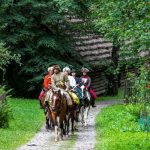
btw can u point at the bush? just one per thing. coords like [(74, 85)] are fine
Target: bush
[(139, 91), (135, 109), (4, 112)]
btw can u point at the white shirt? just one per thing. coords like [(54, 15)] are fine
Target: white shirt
[(72, 81)]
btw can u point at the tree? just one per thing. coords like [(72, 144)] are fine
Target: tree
[(5, 58), (123, 22), (35, 30)]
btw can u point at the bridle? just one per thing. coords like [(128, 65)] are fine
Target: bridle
[(56, 102)]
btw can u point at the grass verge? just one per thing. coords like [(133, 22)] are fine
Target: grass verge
[(27, 120), (119, 96), (118, 129)]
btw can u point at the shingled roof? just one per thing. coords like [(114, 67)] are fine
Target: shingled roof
[(92, 47)]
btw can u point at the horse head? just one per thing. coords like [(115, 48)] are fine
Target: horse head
[(56, 100), (85, 94)]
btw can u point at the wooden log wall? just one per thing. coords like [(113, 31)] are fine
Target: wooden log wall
[(99, 82), (93, 49)]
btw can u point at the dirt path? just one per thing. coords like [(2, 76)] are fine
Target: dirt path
[(86, 136), (84, 139), (44, 140)]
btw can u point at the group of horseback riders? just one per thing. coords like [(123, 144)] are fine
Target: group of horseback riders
[(69, 83)]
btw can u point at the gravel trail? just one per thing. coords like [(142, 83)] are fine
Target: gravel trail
[(84, 138)]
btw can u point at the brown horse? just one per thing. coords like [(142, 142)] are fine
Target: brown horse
[(58, 108), (44, 104)]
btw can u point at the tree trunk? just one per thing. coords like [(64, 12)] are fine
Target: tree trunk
[(115, 59)]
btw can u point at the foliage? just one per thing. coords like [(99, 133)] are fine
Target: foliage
[(126, 24), (138, 86), (135, 109), (123, 21), (27, 120), (5, 111), (38, 31), (6, 56), (116, 128), (1, 90)]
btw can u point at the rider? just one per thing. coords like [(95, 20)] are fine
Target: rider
[(47, 79), (71, 84), (86, 81), (47, 83), (60, 81), (73, 73), (77, 82)]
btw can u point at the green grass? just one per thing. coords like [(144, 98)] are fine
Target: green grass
[(119, 96), (27, 120), (118, 129)]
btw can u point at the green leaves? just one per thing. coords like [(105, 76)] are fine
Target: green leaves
[(6, 57), (122, 21), (37, 30), (139, 87), (47, 42)]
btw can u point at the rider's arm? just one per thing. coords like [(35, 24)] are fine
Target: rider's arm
[(67, 82), (45, 84), (53, 82), (89, 82)]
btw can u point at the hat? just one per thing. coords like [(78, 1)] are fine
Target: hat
[(57, 67), (67, 69), (49, 69), (84, 69)]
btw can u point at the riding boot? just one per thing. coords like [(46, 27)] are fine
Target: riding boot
[(41, 107), (93, 102)]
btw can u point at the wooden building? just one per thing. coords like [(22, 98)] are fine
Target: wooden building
[(94, 49)]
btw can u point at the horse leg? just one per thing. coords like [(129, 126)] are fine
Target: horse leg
[(86, 116), (82, 115), (47, 119), (72, 123), (47, 123), (68, 119), (65, 126), (50, 120), (56, 133), (76, 120), (71, 116), (61, 131)]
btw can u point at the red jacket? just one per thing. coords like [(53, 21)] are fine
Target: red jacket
[(47, 81)]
